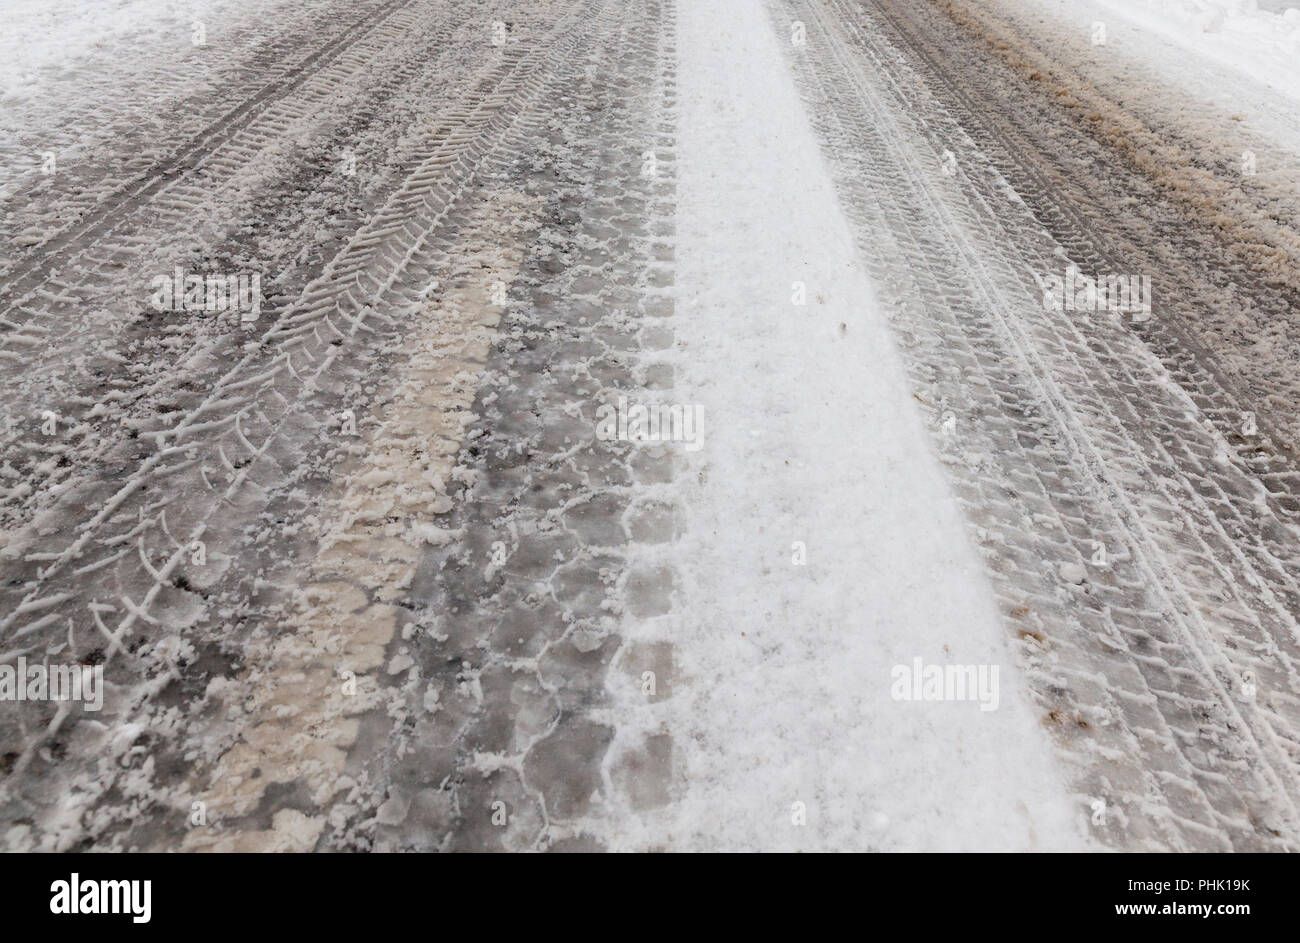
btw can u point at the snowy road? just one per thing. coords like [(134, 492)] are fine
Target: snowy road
[(593, 425)]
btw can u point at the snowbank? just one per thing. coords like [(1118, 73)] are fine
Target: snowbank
[(1261, 43)]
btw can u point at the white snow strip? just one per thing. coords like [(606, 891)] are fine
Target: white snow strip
[(810, 435)]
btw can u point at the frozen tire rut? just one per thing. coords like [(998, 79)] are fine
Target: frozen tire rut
[(1140, 556), (228, 201), (202, 525), (498, 734)]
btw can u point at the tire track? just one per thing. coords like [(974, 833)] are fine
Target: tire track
[(35, 297), (1133, 669), (1243, 553), (533, 626), (91, 377), (55, 250), (226, 456)]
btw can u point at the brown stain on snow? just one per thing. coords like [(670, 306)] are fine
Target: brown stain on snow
[(1257, 240), (302, 699)]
